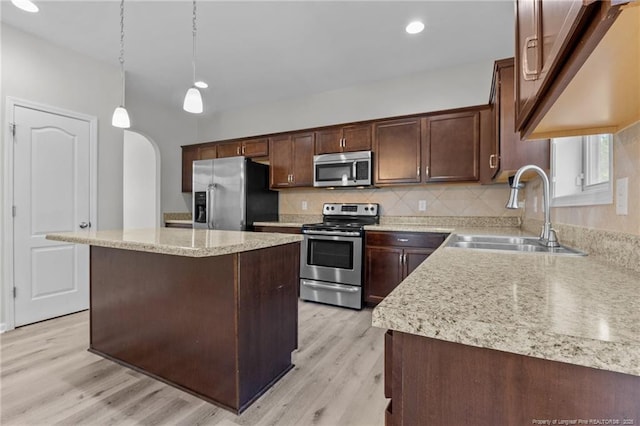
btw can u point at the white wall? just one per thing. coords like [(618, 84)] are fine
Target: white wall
[(455, 87), (140, 183), (36, 70), (169, 128)]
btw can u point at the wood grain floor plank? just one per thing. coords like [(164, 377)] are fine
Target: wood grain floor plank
[(47, 377)]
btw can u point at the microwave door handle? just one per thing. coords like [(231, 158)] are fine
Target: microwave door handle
[(355, 168)]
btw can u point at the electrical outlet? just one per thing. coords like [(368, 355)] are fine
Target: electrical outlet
[(535, 204), (304, 205), (422, 205), (622, 196)]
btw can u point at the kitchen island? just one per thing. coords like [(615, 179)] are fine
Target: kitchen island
[(485, 337), (213, 313)]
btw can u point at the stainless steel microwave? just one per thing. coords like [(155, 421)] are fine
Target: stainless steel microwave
[(342, 169)]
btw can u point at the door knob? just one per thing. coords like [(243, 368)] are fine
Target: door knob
[(85, 225)]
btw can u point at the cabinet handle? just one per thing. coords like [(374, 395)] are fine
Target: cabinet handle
[(403, 240), (400, 258), (426, 171), (493, 161), (243, 150), (238, 151), (418, 171), (404, 259), (529, 42)]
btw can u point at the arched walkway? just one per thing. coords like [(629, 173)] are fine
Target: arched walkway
[(141, 182)]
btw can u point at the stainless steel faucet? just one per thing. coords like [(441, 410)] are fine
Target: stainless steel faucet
[(548, 235)]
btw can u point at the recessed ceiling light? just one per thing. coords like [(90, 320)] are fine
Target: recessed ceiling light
[(26, 5), (415, 27), (201, 84)]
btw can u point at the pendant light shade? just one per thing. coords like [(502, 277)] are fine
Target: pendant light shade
[(26, 5), (193, 101), (120, 118), (120, 115)]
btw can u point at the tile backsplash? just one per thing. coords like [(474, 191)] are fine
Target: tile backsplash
[(441, 200), (626, 163)]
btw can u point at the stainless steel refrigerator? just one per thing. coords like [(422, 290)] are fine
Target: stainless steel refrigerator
[(231, 194)]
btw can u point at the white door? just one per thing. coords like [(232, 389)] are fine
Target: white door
[(51, 194)]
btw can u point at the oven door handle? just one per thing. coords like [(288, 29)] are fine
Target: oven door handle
[(338, 233), (342, 289)]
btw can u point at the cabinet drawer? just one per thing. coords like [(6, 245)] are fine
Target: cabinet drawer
[(278, 229), (405, 239)]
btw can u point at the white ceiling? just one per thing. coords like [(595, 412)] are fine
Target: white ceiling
[(259, 51)]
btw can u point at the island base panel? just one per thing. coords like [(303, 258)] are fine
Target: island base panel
[(179, 319), (434, 382)]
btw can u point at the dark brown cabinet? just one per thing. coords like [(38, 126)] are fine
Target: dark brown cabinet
[(391, 256), (434, 382), (397, 147), (344, 139), (249, 148), (452, 147), (208, 152), (553, 41), (291, 160), (505, 152), (231, 149), (278, 229), (190, 153)]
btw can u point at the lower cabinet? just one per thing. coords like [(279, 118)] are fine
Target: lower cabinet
[(391, 256), (278, 229), (432, 382)]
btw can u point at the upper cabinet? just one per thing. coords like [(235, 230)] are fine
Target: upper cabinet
[(576, 64), (189, 155), (344, 139), (397, 147), (249, 148), (440, 147), (452, 147), (291, 160), (505, 152)]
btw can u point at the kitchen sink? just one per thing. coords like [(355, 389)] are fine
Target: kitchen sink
[(509, 243)]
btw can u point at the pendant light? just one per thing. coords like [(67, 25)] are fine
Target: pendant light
[(120, 115), (26, 5), (193, 98)]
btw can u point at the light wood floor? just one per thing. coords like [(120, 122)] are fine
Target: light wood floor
[(48, 377)]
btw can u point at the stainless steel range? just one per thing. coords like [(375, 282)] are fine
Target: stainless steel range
[(332, 254)]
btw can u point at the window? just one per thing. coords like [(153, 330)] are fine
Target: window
[(581, 170)]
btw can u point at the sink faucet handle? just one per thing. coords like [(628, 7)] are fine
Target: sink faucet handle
[(553, 239)]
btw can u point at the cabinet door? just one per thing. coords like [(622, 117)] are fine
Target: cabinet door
[(397, 147), (280, 158), (189, 155), (452, 147), (302, 164), (383, 272), (329, 141), (413, 258), (528, 57), (515, 153), (231, 149), (357, 138), (255, 148), (208, 152)]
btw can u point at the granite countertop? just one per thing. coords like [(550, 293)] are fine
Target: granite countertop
[(179, 242), (578, 310)]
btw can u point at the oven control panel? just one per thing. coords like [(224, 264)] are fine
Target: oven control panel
[(356, 209)]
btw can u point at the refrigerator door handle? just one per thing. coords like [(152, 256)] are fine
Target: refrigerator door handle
[(211, 191)]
